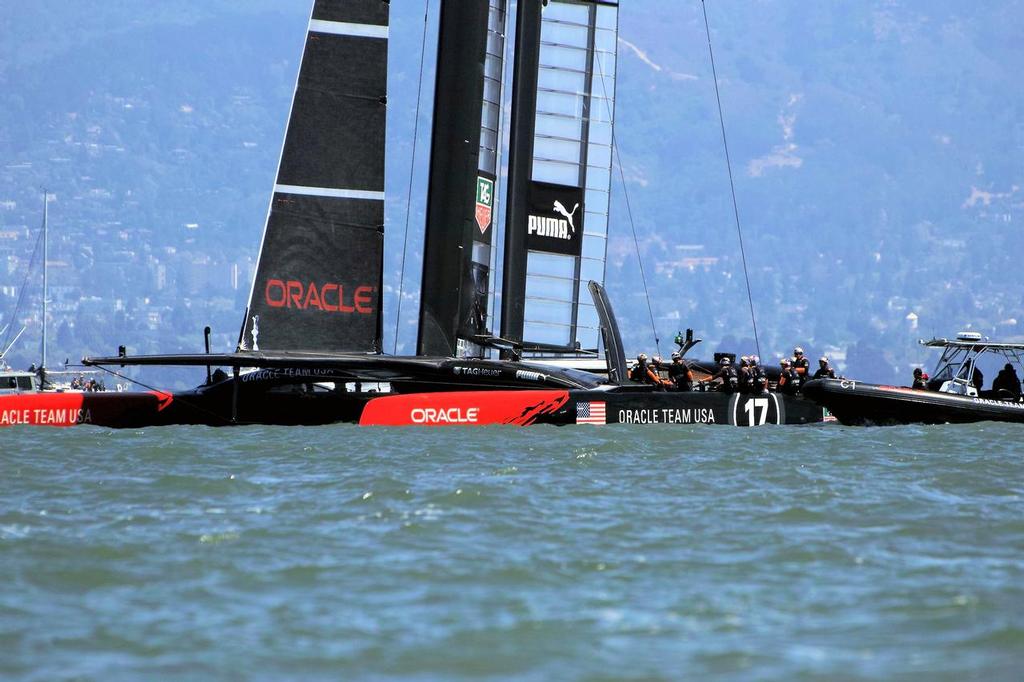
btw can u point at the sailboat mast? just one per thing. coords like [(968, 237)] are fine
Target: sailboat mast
[(45, 268)]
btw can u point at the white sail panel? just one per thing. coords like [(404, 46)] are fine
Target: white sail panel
[(572, 148)]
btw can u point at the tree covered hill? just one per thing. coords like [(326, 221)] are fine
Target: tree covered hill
[(876, 149)]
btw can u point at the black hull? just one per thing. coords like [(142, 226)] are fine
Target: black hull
[(860, 404), (598, 407), (294, 404)]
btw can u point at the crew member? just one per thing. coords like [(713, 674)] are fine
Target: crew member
[(801, 365), (789, 380), (728, 374), (824, 371), (744, 375), (920, 379), (638, 371), (758, 377), (1007, 380), (644, 373), (679, 374)]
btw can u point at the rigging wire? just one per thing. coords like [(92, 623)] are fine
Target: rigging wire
[(412, 170), (629, 209), (732, 184), (24, 286), (177, 398)]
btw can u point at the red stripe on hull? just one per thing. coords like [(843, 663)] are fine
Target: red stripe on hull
[(74, 409), (463, 408)]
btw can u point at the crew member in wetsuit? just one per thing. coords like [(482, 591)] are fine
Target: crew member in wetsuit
[(728, 374), (824, 371), (1007, 380), (679, 374), (920, 379), (801, 365), (789, 380)]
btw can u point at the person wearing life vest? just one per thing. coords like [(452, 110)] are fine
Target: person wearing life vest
[(789, 380), (801, 365), (729, 376), (745, 384), (758, 377), (824, 371), (644, 373), (679, 374), (920, 379)]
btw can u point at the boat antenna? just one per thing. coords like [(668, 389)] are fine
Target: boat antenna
[(629, 208), (412, 170), (732, 185)]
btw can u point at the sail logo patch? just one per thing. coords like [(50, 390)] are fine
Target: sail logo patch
[(328, 297), (554, 223), (484, 203)]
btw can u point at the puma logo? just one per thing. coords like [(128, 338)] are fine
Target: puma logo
[(560, 210)]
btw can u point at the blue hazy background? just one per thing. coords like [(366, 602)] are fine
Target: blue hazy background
[(877, 149)]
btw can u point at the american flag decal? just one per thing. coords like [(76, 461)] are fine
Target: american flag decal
[(591, 413)]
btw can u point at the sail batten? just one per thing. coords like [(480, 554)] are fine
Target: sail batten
[(345, 28), (335, 192)]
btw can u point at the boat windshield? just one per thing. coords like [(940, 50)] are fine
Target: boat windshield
[(978, 363)]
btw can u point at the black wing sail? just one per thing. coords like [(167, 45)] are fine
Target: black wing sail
[(463, 169), (319, 275)]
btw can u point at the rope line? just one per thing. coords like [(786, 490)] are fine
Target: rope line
[(629, 208), (732, 185), (21, 292), (412, 170), (177, 398)]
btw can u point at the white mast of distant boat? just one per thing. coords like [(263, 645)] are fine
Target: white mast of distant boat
[(42, 368)]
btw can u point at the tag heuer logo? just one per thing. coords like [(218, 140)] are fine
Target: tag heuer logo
[(484, 202)]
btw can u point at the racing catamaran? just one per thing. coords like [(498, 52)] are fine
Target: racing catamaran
[(310, 348)]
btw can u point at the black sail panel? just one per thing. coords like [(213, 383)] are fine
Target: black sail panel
[(318, 280)]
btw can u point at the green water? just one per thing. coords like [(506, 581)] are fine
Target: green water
[(575, 553)]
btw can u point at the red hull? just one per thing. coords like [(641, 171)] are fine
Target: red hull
[(74, 409)]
